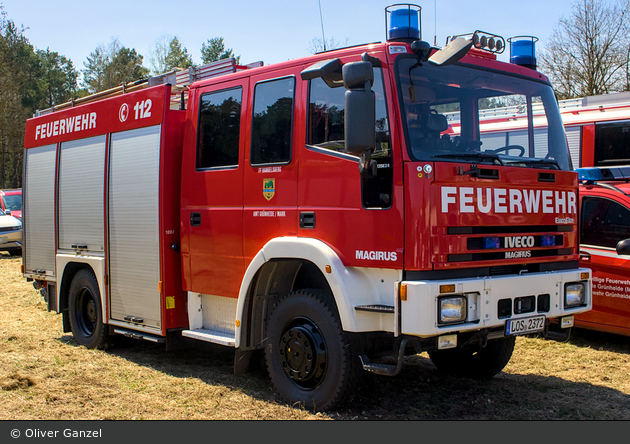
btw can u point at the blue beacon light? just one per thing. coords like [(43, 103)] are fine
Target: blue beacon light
[(404, 22), (523, 51)]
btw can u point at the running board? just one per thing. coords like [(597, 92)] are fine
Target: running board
[(386, 369), (140, 335), (214, 336)]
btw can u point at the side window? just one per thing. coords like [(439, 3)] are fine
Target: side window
[(326, 131), (611, 144), (604, 222), (326, 116), (219, 129), (272, 122)]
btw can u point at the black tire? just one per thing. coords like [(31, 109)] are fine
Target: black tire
[(477, 364), (86, 313), (322, 367)]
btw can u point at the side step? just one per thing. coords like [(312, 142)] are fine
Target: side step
[(140, 335), (386, 369), (214, 336)]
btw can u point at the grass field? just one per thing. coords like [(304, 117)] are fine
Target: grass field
[(45, 375)]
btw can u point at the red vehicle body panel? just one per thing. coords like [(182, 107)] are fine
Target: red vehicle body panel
[(117, 114), (611, 273), (14, 212)]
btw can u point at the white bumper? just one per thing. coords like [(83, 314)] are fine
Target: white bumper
[(419, 312)]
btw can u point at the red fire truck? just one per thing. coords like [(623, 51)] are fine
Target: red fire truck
[(320, 211)]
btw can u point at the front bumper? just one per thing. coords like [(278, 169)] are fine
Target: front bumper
[(491, 301)]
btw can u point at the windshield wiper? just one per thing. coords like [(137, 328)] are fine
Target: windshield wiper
[(536, 162), (471, 156)]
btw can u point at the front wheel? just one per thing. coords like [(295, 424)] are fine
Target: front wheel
[(85, 311), (310, 360), (477, 364)]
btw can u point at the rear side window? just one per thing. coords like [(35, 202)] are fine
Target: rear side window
[(219, 129), (272, 122)]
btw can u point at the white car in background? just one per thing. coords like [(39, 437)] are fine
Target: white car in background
[(10, 234)]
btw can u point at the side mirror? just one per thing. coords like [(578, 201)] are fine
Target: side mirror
[(451, 53), (7, 212), (360, 114), (623, 247), (328, 70)]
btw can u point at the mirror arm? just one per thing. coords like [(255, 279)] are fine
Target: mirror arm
[(367, 165)]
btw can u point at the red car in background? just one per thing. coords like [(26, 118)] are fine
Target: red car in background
[(605, 246), (11, 201)]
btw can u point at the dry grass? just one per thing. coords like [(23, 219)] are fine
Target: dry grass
[(45, 375)]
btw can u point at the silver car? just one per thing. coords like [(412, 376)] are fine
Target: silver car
[(10, 234)]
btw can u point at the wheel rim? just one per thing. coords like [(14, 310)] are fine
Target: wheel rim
[(303, 353), (87, 314)]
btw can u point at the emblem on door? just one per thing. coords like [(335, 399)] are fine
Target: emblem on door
[(269, 188)]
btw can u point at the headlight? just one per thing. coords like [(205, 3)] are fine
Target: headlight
[(574, 295), (452, 309)]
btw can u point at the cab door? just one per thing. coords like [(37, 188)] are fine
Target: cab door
[(605, 220), (212, 190), (270, 201)]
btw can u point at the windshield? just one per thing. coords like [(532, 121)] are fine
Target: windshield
[(12, 201), (472, 115)]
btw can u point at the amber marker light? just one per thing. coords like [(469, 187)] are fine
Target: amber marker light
[(447, 288), (584, 276), (403, 292), (328, 269)]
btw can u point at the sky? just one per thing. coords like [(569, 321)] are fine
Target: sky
[(270, 32)]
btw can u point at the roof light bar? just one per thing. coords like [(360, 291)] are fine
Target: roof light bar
[(483, 40), (591, 174)]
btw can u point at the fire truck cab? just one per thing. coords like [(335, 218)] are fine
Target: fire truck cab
[(324, 211)]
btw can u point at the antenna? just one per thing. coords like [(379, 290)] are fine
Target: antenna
[(321, 19), (435, 23)]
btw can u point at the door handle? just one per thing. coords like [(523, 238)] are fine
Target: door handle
[(584, 256), (195, 219), (307, 220)]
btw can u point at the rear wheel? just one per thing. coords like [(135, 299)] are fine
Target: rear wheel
[(85, 311), (475, 363), (310, 360)]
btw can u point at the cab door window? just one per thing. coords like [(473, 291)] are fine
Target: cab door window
[(219, 128), (604, 222), (272, 122)]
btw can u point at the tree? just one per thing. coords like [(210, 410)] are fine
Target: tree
[(588, 52), (19, 97), (320, 45), (58, 82), (214, 49), (157, 56), (112, 65), (30, 79), (177, 56)]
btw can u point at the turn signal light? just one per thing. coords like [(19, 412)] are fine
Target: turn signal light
[(403, 292), (447, 288)]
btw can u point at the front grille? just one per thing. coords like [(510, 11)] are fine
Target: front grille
[(522, 305), (514, 229), (476, 243)]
